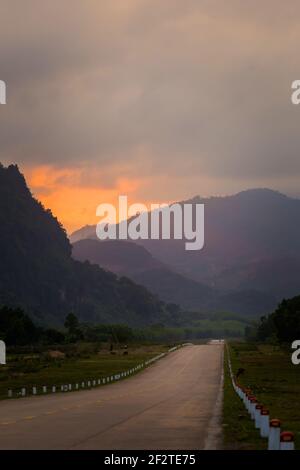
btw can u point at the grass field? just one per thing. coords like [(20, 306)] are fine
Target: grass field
[(83, 362), (276, 383)]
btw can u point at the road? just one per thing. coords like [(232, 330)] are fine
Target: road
[(170, 405)]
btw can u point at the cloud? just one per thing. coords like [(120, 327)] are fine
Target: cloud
[(73, 195), (183, 96)]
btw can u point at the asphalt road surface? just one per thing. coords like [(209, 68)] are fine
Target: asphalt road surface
[(173, 404)]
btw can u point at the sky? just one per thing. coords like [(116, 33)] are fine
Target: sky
[(160, 100)]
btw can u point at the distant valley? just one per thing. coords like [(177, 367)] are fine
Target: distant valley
[(249, 263)]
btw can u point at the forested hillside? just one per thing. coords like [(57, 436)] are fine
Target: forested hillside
[(38, 273)]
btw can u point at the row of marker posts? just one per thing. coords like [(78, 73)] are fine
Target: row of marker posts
[(80, 385), (269, 429), (90, 383)]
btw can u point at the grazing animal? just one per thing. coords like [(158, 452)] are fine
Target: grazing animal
[(240, 371)]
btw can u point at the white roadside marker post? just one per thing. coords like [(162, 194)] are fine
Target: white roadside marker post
[(53, 389), (34, 391), (274, 435), (248, 394), (253, 403), (264, 422), (10, 393), (257, 415), (242, 393), (23, 392), (44, 389), (287, 441)]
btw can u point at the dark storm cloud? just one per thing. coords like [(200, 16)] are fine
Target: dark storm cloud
[(153, 87)]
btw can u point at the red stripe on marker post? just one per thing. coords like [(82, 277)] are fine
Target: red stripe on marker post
[(274, 435), (252, 406), (257, 409), (287, 440), (264, 422)]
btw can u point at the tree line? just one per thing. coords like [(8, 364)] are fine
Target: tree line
[(17, 329), (282, 326)]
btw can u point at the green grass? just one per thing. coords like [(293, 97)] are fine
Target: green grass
[(38, 369), (239, 432), (275, 382)]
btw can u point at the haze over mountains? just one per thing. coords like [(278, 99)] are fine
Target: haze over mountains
[(134, 261), (249, 263)]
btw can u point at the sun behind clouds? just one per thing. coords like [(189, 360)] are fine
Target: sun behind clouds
[(71, 199)]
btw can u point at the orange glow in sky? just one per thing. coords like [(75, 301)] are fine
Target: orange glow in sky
[(72, 201)]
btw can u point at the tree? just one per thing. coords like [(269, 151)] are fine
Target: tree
[(16, 328), (52, 336), (283, 324), (73, 327), (286, 319)]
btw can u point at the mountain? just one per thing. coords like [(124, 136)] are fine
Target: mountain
[(38, 273), (252, 249), (134, 261), (122, 257)]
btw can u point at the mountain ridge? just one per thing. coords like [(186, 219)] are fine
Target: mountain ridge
[(38, 273), (249, 237)]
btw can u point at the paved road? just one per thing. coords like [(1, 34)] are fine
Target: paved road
[(170, 405)]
